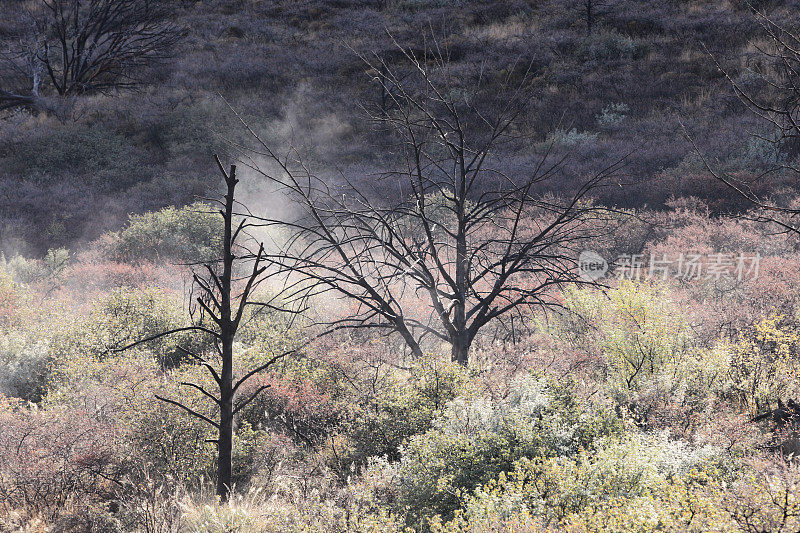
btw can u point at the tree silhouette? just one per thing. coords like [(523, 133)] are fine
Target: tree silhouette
[(223, 298), (75, 47), (460, 245)]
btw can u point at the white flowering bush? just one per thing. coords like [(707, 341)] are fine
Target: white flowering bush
[(572, 138), (476, 439), (638, 469), (24, 362)]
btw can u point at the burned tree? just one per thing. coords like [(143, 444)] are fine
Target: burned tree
[(450, 242), (74, 47), (21, 67), (223, 298), (97, 45)]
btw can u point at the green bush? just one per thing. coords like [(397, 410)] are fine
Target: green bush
[(123, 317), (476, 439), (405, 407), (186, 235), (765, 363), (174, 442), (653, 360), (645, 474), (637, 328), (49, 267), (24, 365)]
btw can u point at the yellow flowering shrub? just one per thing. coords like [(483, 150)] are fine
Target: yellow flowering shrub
[(765, 364), (641, 489), (654, 366)]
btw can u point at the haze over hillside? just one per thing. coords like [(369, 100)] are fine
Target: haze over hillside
[(293, 69)]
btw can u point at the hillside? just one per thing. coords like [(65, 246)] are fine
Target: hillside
[(293, 69)]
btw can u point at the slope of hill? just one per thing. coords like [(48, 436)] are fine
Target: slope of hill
[(628, 86)]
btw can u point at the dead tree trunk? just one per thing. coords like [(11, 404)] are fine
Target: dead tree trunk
[(224, 297), (227, 335), (462, 246)]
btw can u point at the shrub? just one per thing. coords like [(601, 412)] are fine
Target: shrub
[(645, 476), (765, 365), (121, 390), (49, 267), (571, 138), (656, 369), (24, 365), (92, 275), (350, 406), (174, 443), (294, 406), (190, 130), (404, 407), (108, 159), (693, 494), (301, 400), (763, 152), (612, 114), (171, 447), (24, 349), (257, 512), (640, 332), (57, 465), (189, 234), (767, 499), (474, 440), (608, 46), (13, 299), (124, 316)]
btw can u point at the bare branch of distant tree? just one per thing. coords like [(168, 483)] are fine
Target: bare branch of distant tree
[(771, 90), (75, 47)]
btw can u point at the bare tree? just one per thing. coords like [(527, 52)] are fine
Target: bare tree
[(449, 242), (223, 300), (772, 92), (21, 67), (590, 11), (85, 46)]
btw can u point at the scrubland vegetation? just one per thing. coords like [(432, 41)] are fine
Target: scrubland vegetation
[(381, 385), (560, 428)]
